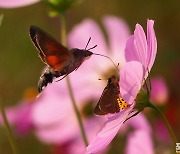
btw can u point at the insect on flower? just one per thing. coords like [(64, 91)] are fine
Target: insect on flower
[(111, 100), (60, 61)]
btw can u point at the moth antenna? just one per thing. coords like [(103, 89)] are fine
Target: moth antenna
[(88, 43), (92, 47)]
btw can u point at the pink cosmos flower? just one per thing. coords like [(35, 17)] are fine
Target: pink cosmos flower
[(139, 140), (159, 91), (161, 132), (141, 48), (140, 55), (19, 117), (16, 3), (129, 89), (55, 121)]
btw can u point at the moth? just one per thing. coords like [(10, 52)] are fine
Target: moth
[(60, 60), (110, 100)]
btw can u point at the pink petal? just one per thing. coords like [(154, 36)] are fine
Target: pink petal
[(16, 3), (60, 132), (80, 34), (23, 119), (10, 114), (118, 33), (141, 44), (130, 50), (131, 78), (140, 49), (161, 132), (19, 116), (52, 105), (53, 114), (91, 128), (108, 132), (139, 142), (141, 124), (136, 47), (159, 91), (152, 44)]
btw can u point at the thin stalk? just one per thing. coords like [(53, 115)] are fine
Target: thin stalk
[(173, 137), (8, 130), (63, 41)]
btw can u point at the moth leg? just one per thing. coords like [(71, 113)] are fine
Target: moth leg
[(137, 112), (62, 77), (76, 68)]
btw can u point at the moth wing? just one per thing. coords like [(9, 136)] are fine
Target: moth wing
[(50, 50), (107, 102)]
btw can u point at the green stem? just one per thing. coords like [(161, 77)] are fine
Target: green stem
[(63, 40), (8, 129), (174, 139)]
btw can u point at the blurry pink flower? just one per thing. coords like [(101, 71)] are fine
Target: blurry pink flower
[(16, 3), (139, 140), (19, 117), (52, 113), (141, 124), (161, 132), (55, 121), (159, 91)]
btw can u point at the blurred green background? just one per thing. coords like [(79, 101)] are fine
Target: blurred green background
[(21, 66)]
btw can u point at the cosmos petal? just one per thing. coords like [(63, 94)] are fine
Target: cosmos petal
[(118, 33), (141, 44), (16, 3), (52, 114), (80, 34), (152, 44), (139, 141), (59, 132), (159, 91), (138, 48), (19, 117), (130, 50), (131, 78), (107, 133), (11, 116), (51, 102), (142, 122)]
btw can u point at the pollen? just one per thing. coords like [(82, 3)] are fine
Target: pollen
[(122, 104)]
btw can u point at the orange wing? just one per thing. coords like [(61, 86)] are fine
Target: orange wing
[(50, 51)]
